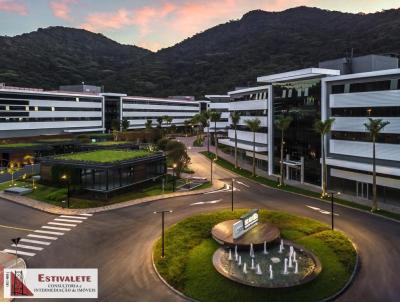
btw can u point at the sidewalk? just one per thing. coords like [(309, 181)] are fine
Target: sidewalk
[(8, 261)]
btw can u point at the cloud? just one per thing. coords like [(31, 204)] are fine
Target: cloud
[(62, 9), (175, 20), (11, 6)]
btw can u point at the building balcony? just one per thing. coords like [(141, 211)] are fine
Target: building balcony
[(248, 105), (384, 98), (261, 138), (243, 146), (356, 124)]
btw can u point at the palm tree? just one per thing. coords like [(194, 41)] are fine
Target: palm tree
[(254, 126), (323, 128), (215, 117), (235, 118), (125, 124), (374, 126), (12, 168), (159, 121), (168, 120), (205, 118), (282, 123), (149, 124), (186, 124), (196, 121), (115, 127)]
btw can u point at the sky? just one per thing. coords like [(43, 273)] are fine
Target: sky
[(152, 24)]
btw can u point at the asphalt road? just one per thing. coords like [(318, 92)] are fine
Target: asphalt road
[(119, 242)]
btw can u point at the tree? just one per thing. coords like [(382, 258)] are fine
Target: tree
[(282, 123), (254, 126), (177, 154), (374, 127), (186, 124), (323, 128), (149, 124), (205, 118), (159, 121), (125, 124), (12, 168), (168, 120), (215, 117), (30, 160), (235, 118), (196, 120), (115, 127)]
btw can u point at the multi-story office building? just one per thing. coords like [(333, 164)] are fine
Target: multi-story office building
[(140, 109), (251, 103), (349, 90), (351, 100), (219, 103), (30, 112)]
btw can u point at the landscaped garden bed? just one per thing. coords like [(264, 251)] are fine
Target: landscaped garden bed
[(189, 248)]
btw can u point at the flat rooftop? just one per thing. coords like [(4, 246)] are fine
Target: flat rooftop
[(298, 74), (104, 156)]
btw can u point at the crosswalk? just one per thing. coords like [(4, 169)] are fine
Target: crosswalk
[(41, 238)]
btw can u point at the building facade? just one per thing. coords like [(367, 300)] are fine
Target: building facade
[(220, 104), (31, 112)]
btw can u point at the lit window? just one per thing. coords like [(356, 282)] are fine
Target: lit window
[(53, 109), (36, 108), (7, 108), (77, 99), (306, 91), (26, 108)]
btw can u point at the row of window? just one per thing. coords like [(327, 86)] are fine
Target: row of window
[(253, 113), (47, 119), (387, 138), (24, 97), (262, 95), (158, 110), (366, 86), (166, 103), (366, 112), (155, 117), (45, 108), (245, 128)]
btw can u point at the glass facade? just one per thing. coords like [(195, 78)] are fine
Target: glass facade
[(302, 101)]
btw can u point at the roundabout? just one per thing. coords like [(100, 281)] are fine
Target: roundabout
[(311, 263)]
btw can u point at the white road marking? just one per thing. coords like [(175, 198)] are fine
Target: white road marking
[(55, 228), (86, 215), (28, 247), (48, 232), (314, 208), (19, 252), (42, 237), (243, 184), (62, 224), (35, 241), (321, 211), (67, 220), (73, 217), (206, 202)]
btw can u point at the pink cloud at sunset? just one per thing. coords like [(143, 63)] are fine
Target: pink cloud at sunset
[(61, 8), (11, 6)]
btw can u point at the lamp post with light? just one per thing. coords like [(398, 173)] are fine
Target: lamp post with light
[(332, 193), (232, 194), (65, 178), (162, 229), (211, 169), (173, 176)]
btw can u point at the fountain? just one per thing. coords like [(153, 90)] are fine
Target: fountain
[(285, 271), (246, 242), (252, 264), (259, 272), (265, 248)]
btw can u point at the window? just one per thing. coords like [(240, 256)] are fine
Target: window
[(370, 86), (366, 112), (336, 89)]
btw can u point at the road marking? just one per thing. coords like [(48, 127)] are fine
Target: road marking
[(62, 224), (206, 202), (55, 228), (15, 228), (19, 252), (48, 232), (86, 215), (28, 247), (67, 220), (73, 217), (35, 241), (321, 211), (243, 184), (42, 237)]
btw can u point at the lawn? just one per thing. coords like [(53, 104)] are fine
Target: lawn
[(189, 249), (274, 184), (105, 156), (19, 145), (110, 143)]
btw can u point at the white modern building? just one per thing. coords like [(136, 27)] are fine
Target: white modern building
[(219, 103), (137, 110), (251, 103), (30, 112)]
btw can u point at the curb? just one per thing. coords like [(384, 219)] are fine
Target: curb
[(182, 295), (351, 279), (311, 197), (44, 207)]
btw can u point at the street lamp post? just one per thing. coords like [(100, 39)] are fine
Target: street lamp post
[(333, 193), (232, 194), (65, 178), (162, 229), (173, 177), (16, 241)]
